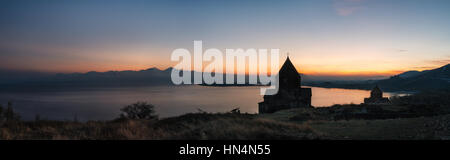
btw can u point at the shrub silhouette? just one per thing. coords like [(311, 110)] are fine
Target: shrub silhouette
[(139, 110), (8, 114), (1, 113)]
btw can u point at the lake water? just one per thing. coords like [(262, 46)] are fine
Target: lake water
[(105, 104)]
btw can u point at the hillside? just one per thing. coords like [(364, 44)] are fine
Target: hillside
[(190, 126), (427, 80), (435, 79), (285, 124)]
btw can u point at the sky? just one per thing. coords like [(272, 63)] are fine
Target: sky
[(323, 37)]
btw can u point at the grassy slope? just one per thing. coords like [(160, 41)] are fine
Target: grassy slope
[(391, 129), (189, 126), (437, 127), (280, 125)]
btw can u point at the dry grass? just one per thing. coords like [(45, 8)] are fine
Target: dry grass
[(202, 126), (418, 128), (189, 126), (389, 129)]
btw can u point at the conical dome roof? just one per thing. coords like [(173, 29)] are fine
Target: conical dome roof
[(288, 66), (376, 89), (289, 77), (376, 92)]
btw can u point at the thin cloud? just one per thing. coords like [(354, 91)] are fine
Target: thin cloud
[(347, 11), (432, 64), (402, 50), (440, 62), (347, 7), (424, 67)]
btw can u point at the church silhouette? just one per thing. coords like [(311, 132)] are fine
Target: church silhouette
[(290, 93)]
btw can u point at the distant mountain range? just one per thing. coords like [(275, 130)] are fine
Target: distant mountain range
[(434, 79), (411, 80), (408, 74), (33, 80), (438, 78)]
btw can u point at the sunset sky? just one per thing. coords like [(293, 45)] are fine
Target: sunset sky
[(323, 37)]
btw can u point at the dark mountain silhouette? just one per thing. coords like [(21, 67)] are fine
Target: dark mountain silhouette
[(438, 78), (152, 76), (408, 81), (434, 79), (409, 74), (11, 77), (35, 80)]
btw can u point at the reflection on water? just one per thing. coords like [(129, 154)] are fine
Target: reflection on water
[(103, 104), (324, 97)]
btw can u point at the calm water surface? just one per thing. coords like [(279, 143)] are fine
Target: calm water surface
[(104, 104)]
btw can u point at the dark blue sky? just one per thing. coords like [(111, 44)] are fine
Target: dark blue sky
[(355, 36)]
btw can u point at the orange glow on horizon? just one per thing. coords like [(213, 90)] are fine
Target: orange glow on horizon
[(335, 72), (303, 70), (352, 73), (121, 58)]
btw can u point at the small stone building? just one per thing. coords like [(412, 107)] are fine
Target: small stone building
[(290, 94), (376, 97)]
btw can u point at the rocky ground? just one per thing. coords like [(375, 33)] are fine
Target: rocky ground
[(358, 128)]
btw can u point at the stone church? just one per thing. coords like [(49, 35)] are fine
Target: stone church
[(376, 97), (290, 94)]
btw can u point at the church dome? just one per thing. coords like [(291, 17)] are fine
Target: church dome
[(376, 92), (288, 75)]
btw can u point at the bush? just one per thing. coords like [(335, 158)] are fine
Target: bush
[(1, 113), (139, 110), (8, 114)]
